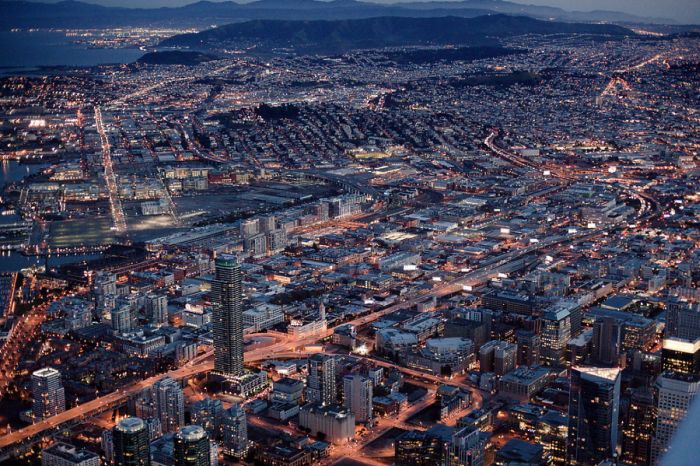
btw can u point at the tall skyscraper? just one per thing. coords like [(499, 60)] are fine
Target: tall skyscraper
[(357, 397), (556, 332), (235, 432), (48, 395), (320, 384), (594, 400), (130, 443), (638, 429), (681, 355), (191, 447), (607, 332), (170, 400), (675, 392), (227, 295)]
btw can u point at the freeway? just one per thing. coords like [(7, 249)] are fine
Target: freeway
[(197, 365), (517, 160), (649, 207), (203, 363)]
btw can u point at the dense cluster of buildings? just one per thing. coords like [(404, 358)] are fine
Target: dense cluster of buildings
[(406, 265)]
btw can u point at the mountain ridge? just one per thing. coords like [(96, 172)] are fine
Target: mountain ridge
[(341, 35), (73, 13)]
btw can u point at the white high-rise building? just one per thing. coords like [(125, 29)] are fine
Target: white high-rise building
[(357, 392), (235, 432), (320, 384), (335, 422), (48, 395), (675, 393), (250, 227), (170, 400)]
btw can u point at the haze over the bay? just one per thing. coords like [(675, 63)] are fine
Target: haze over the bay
[(682, 11)]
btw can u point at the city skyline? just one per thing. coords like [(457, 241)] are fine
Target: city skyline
[(348, 234)]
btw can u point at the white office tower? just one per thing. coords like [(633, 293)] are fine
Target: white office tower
[(556, 333), (467, 447), (675, 393), (235, 432), (357, 392), (157, 308), (227, 295), (63, 454), (170, 400), (320, 383), (48, 395)]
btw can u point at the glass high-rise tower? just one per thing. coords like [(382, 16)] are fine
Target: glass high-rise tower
[(594, 403), (131, 443), (227, 295), (191, 447)]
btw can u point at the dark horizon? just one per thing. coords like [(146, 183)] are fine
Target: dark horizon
[(681, 11)]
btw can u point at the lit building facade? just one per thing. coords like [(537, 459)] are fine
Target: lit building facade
[(594, 400), (48, 395), (227, 295)]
